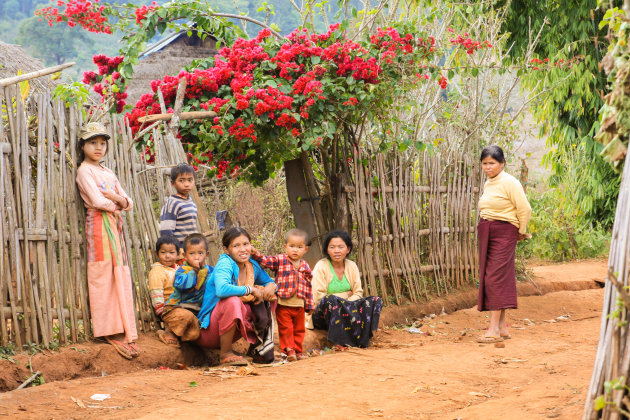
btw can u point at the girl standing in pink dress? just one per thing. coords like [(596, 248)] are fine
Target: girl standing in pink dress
[(109, 278)]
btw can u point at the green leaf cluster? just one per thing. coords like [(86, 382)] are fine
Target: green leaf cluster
[(569, 97)]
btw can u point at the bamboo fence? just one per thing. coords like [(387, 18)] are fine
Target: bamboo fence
[(43, 287), (416, 223), (611, 371), (415, 219)]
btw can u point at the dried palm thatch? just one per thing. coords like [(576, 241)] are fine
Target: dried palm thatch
[(167, 57), (14, 60)]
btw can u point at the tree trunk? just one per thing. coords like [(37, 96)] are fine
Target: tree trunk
[(302, 208)]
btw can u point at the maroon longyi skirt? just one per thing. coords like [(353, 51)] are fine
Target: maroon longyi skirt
[(497, 276)]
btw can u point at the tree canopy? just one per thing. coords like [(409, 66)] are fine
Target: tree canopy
[(56, 44), (568, 99)]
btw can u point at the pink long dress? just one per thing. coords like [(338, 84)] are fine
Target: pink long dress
[(109, 278)]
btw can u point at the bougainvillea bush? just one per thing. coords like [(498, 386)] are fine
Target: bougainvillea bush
[(276, 97)]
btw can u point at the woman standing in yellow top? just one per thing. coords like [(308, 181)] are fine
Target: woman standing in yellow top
[(504, 212)]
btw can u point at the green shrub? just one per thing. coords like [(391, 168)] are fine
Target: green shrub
[(557, 234)]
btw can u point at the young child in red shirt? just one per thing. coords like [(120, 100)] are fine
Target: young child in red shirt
[(295, 295)]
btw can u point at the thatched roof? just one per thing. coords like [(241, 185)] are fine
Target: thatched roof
[(13, 59), (168, 56)]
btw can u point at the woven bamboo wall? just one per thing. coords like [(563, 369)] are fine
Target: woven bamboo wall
[(416, 223)]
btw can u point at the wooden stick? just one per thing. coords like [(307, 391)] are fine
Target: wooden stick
[(189, 115), (39, 73), (29, 380)]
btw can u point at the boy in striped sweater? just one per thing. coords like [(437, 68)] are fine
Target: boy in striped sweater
[(179, 214)]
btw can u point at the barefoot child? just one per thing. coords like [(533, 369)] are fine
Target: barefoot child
[(161, 279), (295, 296), (181, 308), (179, 213), (109, 278)]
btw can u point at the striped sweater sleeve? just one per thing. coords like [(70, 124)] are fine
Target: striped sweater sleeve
[(168, 217), (156, 290)]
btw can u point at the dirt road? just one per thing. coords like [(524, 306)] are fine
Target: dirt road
[(542, 372)]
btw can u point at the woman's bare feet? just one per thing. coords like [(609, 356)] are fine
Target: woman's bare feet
[(231, 359), (167, 337)]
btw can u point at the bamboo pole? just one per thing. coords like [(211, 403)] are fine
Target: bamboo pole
[(60, 267), (4, 277), (30, 316), (41, 287), (35, 74), (76, 217), (13, 260), (189, 115)]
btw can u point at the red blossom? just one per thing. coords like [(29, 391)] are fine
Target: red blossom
[(142, 12), (87, 14), (443, 82)]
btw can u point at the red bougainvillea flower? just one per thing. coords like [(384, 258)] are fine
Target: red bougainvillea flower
[(142, 12), (87, 14), (443, 82), (108, 82)]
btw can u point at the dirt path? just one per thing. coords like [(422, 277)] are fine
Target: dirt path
[(542, 372)]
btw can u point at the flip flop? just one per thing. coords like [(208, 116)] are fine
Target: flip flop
[(489, 340), (133, 349), (506, 337), (168, 340), (121, 348), (234, 360)]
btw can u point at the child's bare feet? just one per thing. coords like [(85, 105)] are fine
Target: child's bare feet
[(302, 356), (167, 337)]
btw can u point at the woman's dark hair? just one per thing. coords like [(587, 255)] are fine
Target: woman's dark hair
[(494, 151), (167, 240), (233, 233), (342, 234)]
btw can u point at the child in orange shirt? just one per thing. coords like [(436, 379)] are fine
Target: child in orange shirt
[(161, 279)]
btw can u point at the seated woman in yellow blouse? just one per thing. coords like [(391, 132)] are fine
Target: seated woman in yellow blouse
[(340, 306)]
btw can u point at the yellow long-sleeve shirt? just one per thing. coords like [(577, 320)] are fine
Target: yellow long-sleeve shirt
[(504, 199)]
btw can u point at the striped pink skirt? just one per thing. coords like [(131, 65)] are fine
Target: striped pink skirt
[(108, 276)]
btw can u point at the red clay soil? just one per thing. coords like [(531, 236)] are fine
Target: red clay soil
[(542, 372)]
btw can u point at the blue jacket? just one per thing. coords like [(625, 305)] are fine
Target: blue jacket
[(223, 283), (187, 287)]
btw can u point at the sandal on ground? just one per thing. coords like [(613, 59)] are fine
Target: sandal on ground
[(506, 337), (167, 339), (291, 356), (120, 347), (233, 360), (489, 339), (133, 349), (302, 356)]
